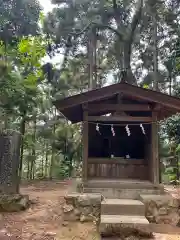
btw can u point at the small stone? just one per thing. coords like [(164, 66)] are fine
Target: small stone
[(95, 199), (171, 219), (24, 203), (174, 203), (49, 234), (151, 205), (167, 221), (83, 200), (79, 186), (151, 219), (96, 211), (65, 224), (71, 198), (86, 210), (68, 208), (155, 212), (163, 211), (89, 199), (77, 212), (70, 216), (3, 230), (84, 218)]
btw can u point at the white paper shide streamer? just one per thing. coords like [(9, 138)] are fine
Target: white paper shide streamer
[(142, 128), (97, 128), (128, 130), (112, 130)]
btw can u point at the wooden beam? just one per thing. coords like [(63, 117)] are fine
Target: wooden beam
[(93, 108), (157, 107), (152, 96), (85, 144), (119, 119), (119, 112), (116, 160)]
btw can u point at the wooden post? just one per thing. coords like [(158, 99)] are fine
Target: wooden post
[(85, 144), (154, 149)]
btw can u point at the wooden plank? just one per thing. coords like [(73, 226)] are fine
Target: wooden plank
[(117, 171), (154, 149), (119, 112), (93, 108), (85, 144), (116, 160), (119, 119)]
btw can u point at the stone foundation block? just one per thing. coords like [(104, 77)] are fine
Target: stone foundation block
[(161, 209), (125, 230), (13, 203), (82, 207)]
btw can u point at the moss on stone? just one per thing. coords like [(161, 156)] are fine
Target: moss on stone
[(13, 203)]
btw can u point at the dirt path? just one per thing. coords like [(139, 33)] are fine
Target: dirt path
[(43, 220)]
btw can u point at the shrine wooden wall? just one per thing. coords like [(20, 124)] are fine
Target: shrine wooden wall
[(117, 168)]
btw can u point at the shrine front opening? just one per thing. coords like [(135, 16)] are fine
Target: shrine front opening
[(119, 151)]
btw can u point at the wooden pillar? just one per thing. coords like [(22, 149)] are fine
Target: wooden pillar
[(154, 149), (85, 144)]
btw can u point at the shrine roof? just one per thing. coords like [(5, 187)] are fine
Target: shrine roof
[(72, 107)]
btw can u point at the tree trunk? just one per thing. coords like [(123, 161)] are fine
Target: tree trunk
[(46, 161), (28, 170), (6, 121), (155, 52), (22, 131), (177, 168), (170, 83), (33, 160), (91, 48), (127, 63), (70, 164), (52, 164), (53, 150), (42, 167), (128, 40)]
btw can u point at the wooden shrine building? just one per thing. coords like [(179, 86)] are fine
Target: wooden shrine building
[(120, 132)]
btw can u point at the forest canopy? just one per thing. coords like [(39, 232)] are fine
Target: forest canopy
[(79, 45)]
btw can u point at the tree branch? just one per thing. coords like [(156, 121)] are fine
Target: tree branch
[(135, 21), (116, 13), (101, 26), (97, 25)]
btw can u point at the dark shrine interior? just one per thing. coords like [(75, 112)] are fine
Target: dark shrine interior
[(103, 144)]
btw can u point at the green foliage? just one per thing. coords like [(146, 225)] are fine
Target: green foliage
[(52, 146), (172, 128), (18, 18)]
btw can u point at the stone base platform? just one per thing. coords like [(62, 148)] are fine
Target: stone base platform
[(121, 199), (85, 207)]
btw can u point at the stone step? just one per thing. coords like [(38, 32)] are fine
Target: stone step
[(122, 193), (111, 225), (122, 207)]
